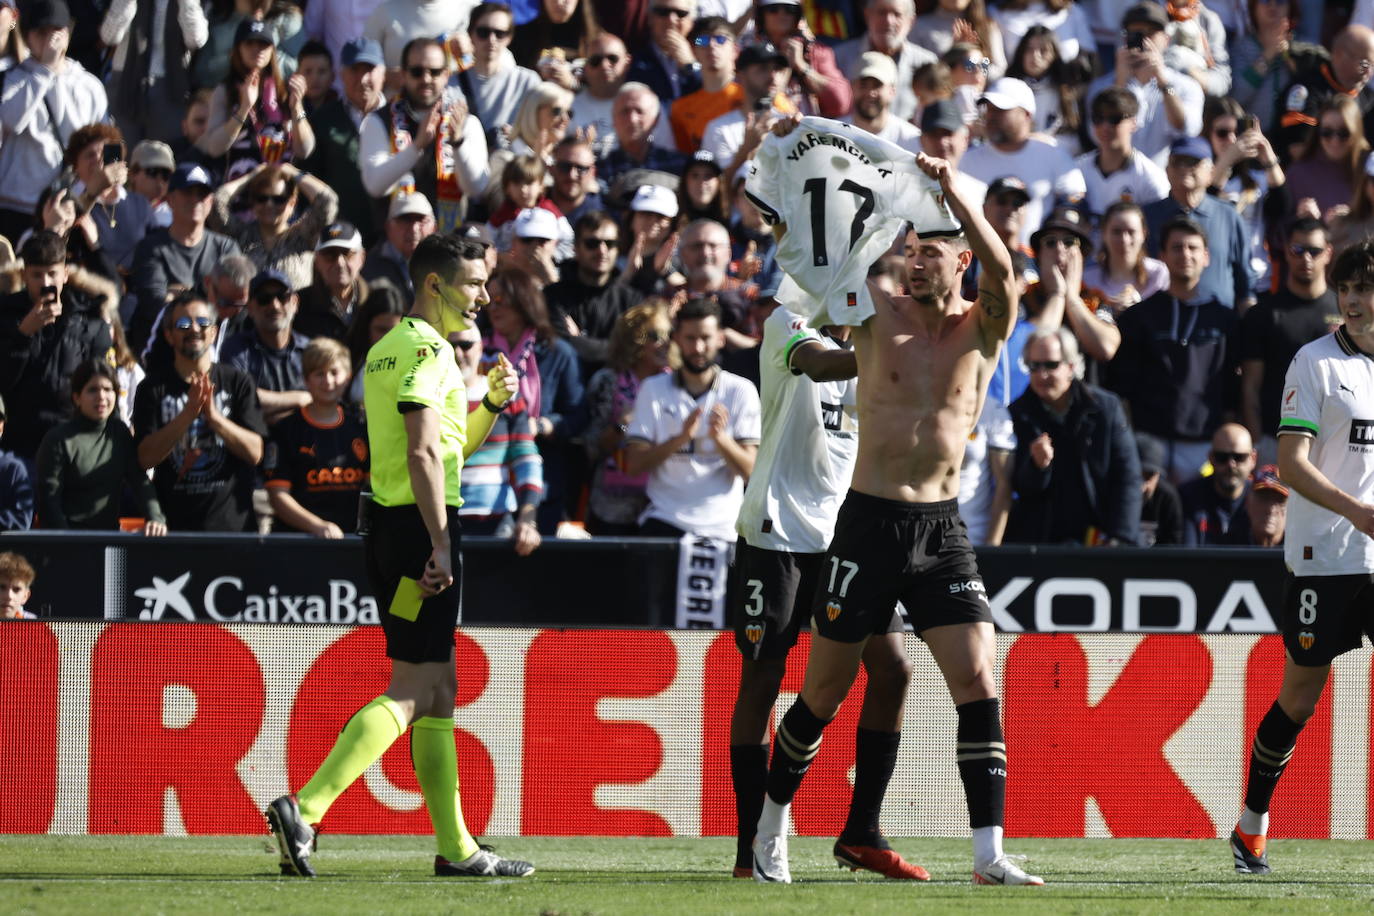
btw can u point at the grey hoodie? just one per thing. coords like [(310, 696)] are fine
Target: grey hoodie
[(39, 112)]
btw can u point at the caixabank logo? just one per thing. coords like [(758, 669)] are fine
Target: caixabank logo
[(227, 598)]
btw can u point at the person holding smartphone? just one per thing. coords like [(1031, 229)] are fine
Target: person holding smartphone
[(97, 157), (47, 330), (1170, 102)]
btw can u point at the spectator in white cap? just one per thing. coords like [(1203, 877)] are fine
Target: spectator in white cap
[(889, 23), (875, 88), (327, 305), (409, 220), (47, 96), (150, 170), (534, 247), (1008, 109), (648, 258)]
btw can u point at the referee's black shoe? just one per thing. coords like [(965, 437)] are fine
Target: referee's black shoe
[(484, 863), (294, 836)]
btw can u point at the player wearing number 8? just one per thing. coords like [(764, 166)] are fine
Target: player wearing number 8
[(925, 360), (804, 463), (1326, 456)]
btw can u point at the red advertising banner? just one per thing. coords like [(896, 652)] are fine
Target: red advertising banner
[(190, 728)]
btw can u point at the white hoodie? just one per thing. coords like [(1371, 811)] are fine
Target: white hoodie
[(31, 144)]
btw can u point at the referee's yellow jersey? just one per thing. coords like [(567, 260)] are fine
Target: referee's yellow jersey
[(412, 364)]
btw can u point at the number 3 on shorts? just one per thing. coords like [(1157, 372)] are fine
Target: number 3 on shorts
[(850, 568), (1307, 605), (753, 606)]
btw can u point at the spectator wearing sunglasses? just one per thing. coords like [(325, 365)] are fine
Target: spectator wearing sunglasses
[(1076, 472), (425, 140), (1116, 170), (1170, 101), (1214, 512), (270, 354), (586, 302), (1279, 325), (713, 46), (574, 187), (394, 24), (667, 66), (1331, 160), (608, 63), (271, 240), (199, 428), (889, 22), (150, 171), (494, 85), (817, 86)]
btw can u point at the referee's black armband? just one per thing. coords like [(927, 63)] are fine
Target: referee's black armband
[(486, 402)]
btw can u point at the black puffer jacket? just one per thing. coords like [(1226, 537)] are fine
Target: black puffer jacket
[(35, 372)]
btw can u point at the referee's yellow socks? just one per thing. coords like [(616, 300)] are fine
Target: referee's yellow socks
[(372, 730), (436, 766)]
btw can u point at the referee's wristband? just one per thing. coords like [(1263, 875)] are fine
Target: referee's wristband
[(494, 408)]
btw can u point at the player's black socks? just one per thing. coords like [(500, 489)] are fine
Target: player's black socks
[(797, 742), (982, 757), (749, 774), (1269, 755), (875, 757)]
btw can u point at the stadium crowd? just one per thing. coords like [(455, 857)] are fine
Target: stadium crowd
[(207, 212)]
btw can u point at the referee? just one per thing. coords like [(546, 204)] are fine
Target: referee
[(419, 433), (1326, 455)]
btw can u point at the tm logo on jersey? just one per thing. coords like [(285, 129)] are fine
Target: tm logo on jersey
[(1362, 434), (832, 609)]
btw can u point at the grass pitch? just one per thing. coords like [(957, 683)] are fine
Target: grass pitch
[(117, 875)]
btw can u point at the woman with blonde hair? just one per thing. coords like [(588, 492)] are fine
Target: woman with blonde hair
[(1333, 157), (540, 123), (639, 347)]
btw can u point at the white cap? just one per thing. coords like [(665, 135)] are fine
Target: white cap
[(877, 65), (536, 223), (410, 205), (1008, 93), (654, 198)]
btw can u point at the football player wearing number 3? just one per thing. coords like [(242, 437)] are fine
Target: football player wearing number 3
[(925, 360), (805, 460), (1326, 455)]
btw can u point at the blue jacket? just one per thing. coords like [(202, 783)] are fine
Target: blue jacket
[(16, 494), (1092, 481), (1228, 276)]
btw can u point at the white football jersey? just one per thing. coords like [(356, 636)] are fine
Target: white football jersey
[(844, 195), (1329, 395), (810, 439)]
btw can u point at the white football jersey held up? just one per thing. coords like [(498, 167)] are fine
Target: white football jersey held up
[(810, 440), (1329, 396), (844, 195)]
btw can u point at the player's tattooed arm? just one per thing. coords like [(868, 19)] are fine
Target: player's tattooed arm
[(997, 291)]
